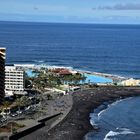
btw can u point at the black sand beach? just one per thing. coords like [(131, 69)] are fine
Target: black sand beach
[(76, 124)]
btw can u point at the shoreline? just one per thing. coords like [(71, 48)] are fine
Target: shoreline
[(39, 66), (103, 107), (77, 123)]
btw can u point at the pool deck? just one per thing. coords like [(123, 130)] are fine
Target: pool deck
[(90, 78), (104, 75)]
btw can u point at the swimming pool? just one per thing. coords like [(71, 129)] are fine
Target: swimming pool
[(89, 77), (96, 79), (30, 73)]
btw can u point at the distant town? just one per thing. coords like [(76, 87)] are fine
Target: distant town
[(29, 93)]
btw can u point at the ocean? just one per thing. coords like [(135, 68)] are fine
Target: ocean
[(113, 49), (119, 121)]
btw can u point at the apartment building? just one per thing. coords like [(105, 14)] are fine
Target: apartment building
[(14, 79)]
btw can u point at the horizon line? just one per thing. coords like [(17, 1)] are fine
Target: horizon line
[(51, 22)]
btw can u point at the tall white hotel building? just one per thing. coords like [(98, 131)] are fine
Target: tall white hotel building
[(14, 79)]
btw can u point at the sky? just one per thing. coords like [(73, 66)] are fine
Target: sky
[(71, 11)]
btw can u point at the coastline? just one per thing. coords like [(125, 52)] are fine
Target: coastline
[(77, 123), (39, 66), (102, 108)]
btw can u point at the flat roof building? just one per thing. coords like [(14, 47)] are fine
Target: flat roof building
[(130, 82), (2, 73), (14, 79)]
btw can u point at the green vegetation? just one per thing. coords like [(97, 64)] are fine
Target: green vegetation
[(50, 79), (73, 79), (23, 101), (11, 127), (6, 104)]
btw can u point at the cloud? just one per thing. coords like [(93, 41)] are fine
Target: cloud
[(128, 6)]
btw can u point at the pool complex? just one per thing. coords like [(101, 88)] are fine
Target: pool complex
[(89, 78), (30, 73), (96, 79)]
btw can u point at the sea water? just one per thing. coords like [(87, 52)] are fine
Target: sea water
[(118, 121), (113, 49)]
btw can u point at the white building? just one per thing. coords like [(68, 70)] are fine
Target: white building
[(130, 82), (14, 79)]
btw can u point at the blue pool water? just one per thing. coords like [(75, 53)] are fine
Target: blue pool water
[(30, 73), (97, 79), (89, 77)]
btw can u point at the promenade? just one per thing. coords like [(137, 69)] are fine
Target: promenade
[(46, 108)]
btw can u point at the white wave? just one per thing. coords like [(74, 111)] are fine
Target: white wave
[(100, 113), (112, 104), (95, 117), (119, 131), (118, 101), (94, 121), (39, 61)]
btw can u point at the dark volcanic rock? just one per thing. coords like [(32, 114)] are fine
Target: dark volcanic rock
[(77, 124)]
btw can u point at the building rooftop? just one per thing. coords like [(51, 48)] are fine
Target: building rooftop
[(65, 72)]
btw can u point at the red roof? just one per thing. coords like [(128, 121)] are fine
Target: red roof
[(65, 72), (57, 70)]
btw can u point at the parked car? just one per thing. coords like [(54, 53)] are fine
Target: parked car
[(19, 112), (13, 114), (27, 108)]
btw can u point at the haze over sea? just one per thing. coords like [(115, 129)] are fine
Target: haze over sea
[(113, 49)]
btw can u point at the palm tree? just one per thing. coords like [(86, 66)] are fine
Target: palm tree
[(5, 106), (25, 101), (18, 103), (83, 78)]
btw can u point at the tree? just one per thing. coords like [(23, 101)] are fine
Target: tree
[(25, 101), (5, 106), (28, 83), (49, 96), (18, 103), (83, 79)]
